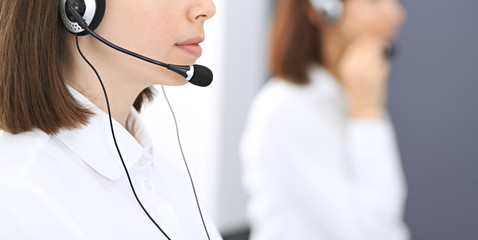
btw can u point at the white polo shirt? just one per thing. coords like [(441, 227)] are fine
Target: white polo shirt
[(73, 186)]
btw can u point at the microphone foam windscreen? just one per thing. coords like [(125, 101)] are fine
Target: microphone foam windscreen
[(202, 76)]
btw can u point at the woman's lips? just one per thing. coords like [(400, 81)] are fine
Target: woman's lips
[(193, 49), (191, 46)]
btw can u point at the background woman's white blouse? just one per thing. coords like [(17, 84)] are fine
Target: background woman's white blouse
[(313, 173), (72, 185)]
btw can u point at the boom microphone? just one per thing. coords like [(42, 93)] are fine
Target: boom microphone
[(197, 74), (390, 51), (201, 75)]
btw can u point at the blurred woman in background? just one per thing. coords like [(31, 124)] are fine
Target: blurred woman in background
[(319, 152)]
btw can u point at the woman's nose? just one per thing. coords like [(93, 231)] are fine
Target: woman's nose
[(202, 10)]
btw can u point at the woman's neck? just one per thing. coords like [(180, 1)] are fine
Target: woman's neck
[(331, 48), (121, 89)]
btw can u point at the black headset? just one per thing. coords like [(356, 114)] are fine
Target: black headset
[(82, 17), (333, 10), (92, 12)]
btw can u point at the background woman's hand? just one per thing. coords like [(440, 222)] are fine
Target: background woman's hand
[(363, 71)]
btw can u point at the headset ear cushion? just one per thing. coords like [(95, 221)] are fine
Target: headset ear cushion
[(331, 9), (99, 14)]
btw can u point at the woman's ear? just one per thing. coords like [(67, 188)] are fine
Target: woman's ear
[(315, 17)]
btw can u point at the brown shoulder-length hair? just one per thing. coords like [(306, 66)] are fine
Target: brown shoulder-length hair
[(294, 41), (32, 51)]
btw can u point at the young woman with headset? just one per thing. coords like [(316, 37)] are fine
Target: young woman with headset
[(320, 160), (75, 160)]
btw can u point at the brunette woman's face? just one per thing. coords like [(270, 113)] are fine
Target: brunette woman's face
[(377, 18), (166, 30)]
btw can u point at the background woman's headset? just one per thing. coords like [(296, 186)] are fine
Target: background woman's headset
[(333, 10)]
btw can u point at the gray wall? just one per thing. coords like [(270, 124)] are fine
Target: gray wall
[(434, 96)]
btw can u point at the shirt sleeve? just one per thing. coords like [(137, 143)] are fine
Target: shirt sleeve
[(375, 162), (376, 174), (343, 176)]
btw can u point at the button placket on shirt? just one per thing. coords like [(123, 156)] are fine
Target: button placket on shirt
[(148, 185), (145, 160)]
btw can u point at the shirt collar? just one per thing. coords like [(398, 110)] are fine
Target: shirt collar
[(323, 82), (93, 142), (317, 72)]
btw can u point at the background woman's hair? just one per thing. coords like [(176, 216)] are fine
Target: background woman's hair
[(294, 42), (32, 52)]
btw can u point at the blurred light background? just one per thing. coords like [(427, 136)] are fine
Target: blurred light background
[(433, 98)]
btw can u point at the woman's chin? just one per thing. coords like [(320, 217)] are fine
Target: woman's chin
[(171, 79), (176, 83), (167, 77)]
